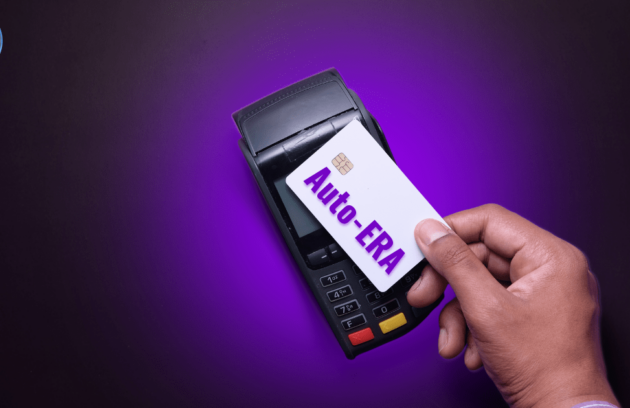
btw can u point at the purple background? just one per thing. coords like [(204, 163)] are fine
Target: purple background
[(139, 264)]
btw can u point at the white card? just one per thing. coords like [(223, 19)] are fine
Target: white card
[(356, 191)]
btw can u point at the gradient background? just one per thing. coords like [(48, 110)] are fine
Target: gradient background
[(139, 265)]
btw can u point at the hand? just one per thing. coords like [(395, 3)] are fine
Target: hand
[(527, 306)]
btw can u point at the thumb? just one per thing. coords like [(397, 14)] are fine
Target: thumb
[(449, 255)]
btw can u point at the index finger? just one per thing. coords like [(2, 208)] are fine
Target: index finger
[(505, 233)]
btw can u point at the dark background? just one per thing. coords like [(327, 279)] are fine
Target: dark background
[(138, 264)]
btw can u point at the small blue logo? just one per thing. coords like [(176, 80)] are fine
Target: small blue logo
[(0, 40)]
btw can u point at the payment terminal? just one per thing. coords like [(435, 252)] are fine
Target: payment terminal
[(279, 132)]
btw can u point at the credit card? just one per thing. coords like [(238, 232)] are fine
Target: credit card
[(357, 192)]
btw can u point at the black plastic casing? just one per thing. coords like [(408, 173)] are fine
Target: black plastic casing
[(279, 132)]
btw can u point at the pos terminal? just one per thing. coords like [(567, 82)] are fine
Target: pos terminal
[(279, 133)]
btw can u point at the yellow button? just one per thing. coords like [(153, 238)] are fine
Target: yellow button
[(393, 323)]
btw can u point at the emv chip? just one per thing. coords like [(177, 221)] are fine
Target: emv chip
[(342, 163)]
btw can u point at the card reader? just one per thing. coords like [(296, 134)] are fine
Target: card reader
[(279, 132)]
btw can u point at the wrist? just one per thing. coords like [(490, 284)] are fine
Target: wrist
[(567, 388), (582, 401), (595, 403)]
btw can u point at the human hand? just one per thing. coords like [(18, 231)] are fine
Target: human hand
[(527, 306)]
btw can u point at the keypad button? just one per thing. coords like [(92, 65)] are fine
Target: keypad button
[(361, 336), (357, 271), (386, 308), (409, 279), (337, 294), (376, 296), (333, 278), (354, 321), (393, 323), (419, 312), (318, 257), (366, 284), (335, 251), (346, 308)]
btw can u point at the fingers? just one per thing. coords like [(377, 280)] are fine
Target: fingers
[(454, 335), (507, 234), (593, 288), (501, 230), (498, 266), (453, 259), (431, 285), (452, 330), (427, 289), (472, 359)]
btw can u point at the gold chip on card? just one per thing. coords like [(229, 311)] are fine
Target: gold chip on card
[(342, 163)]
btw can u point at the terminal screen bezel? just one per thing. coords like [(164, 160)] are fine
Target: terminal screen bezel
[(282, 167)]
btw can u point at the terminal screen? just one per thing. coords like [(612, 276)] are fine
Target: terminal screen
[(303, 220)]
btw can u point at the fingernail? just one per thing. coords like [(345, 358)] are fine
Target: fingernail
[(416, 285), (468, 353), (442, 340), (429, 230)]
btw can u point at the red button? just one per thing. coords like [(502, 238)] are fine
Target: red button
[(361, 336)]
